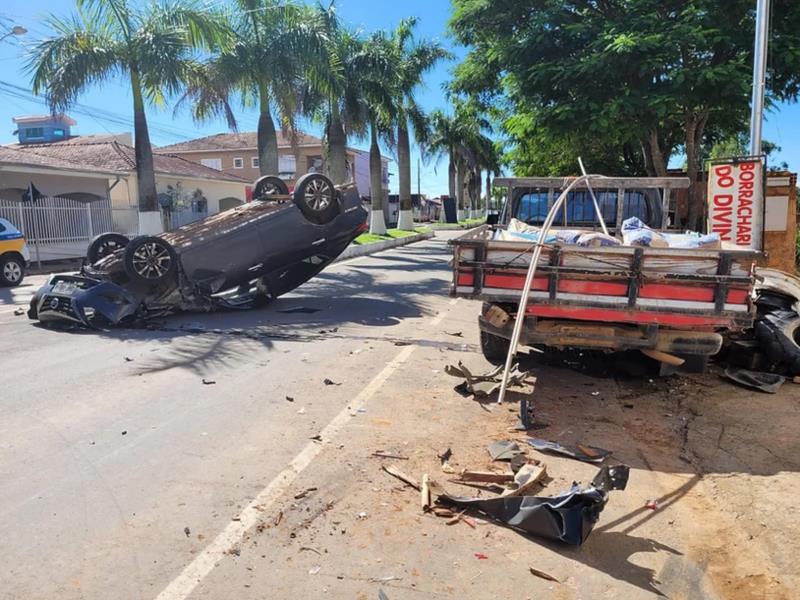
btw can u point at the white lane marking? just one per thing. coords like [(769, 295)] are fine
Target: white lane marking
[(204, 563)]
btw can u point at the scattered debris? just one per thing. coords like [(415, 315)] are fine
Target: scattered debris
[(314, 570), (455, 333), (580, 452), (425, 493), (128, 359), (402, 343), (278, 519), (768, 383), (543, 575), (497, 316), (382, 454), (568, 517), (486, 476), (310, 549), (327, 381), (527, 478), (394, 472), (651, 504), (481, 556), (444, 457), (289, 399), (187, 531), (324, 331), (504, 450), (304, 493), (302, 411), (595, 393), (209, 382), (455, 518), (481, 386), (361, 516), (441, 511), (386, 579), (382, 595), (316, 438), (124, 432), (302, 310), (20, 311)]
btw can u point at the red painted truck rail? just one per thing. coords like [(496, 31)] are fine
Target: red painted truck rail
[(690, 289)]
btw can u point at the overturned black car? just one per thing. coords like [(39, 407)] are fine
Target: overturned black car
[(237, 259)]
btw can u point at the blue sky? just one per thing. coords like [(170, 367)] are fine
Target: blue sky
[(782, 125)]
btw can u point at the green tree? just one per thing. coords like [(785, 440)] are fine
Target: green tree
[(413, 59), (654, 76), (154, 46), (277, 44)]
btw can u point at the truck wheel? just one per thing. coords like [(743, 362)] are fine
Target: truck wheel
[(104, 244), (316, 197), (269, 185), (12, 270), (494, 348), (149, 259), (779, 335)]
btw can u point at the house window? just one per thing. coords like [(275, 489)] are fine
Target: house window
[(213, 163), (238, 163), (254, 162), (59, 133), (34, 132)]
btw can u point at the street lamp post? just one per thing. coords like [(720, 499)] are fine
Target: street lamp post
[(15, 30), (759, 76)]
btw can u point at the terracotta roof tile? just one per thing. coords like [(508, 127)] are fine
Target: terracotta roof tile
[(236, 141)]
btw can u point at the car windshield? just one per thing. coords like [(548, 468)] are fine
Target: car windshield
[(532, 207)]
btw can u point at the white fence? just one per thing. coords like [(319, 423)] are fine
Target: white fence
[(60, 228)]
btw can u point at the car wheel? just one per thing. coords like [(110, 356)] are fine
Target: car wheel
[(316, 197), (105, 244), (269, 185), (12, 271), (150, 259), (494, 348), (779, 335)]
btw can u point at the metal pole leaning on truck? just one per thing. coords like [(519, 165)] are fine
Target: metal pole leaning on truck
[(523, 301)]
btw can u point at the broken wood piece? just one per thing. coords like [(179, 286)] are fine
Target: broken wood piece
[(278, 518), (487, 487), (382, 454), (527, 478), (486, 476), (543, 575), (455, 518), (425, 494), (395, 472), (304, 493), (441, 511)]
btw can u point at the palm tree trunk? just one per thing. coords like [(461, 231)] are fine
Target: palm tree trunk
[(150, 221), (406, 221), (337, 148), (267, 137), (377, 224), (488, 189), (451, 176), (461, 174)]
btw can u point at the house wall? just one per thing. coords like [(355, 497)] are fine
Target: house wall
[(53, 129), (124, 194), (49, 184)]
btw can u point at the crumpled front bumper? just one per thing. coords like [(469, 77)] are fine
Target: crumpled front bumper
[(82, 300)]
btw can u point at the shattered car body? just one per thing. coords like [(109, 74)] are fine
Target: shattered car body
[(237, 259), (568, 517)]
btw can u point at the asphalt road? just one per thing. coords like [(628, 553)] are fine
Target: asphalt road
[(110, 442)]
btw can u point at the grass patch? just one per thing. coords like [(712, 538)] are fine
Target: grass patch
[(391, 234)]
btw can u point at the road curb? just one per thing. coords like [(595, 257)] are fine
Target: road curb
[(353, 250)]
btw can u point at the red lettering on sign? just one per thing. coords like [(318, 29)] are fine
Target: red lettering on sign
[(723, 172)]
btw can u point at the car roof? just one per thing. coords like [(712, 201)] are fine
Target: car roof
[(8, 225)]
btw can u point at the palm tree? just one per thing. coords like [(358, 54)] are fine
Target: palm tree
[(413, 59), (377, 67), (153, 47), (277, 42), (333, 95)]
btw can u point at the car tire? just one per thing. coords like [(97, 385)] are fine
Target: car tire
[(269, 185), (12, 270), (317, 198), (779, 333), (104, 244), (150, 260), (494, 348)]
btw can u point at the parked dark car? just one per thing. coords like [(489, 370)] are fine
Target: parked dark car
[(239, 258)]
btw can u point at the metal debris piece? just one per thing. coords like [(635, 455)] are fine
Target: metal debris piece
[(543, 575), (303, 310), (289, 399), (327, 381), (768, 383), (382, 454), (568, 517), (504, 450), (304, 493), (527, 478), (209, 382), (187, 532), (580, 452), (482, 386)]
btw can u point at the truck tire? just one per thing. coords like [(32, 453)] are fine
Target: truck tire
[(779, 333), (494, 348)]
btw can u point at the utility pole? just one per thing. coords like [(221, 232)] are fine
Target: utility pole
[(759, 75)]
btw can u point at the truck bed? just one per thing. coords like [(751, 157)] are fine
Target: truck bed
[(684, 289)]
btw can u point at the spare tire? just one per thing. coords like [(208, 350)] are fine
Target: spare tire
[(779, 335), (104, 244), (150, 260), (317, 198)]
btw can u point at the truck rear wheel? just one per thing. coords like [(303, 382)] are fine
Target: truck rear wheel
[(779, 335), (494, 348)]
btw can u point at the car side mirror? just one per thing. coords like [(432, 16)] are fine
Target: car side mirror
[(492, 219)]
